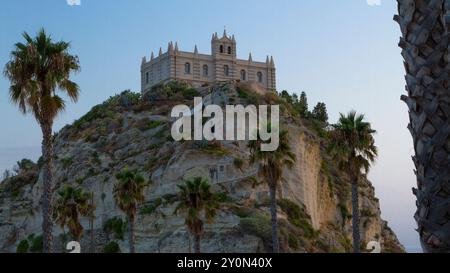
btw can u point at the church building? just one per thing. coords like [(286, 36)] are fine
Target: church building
[(201, 69)]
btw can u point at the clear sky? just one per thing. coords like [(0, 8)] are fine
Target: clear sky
[(341, 52)]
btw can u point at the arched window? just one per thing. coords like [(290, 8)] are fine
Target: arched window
[(187, 68), (243, 75), (221, 48), (260, 76), (229, 50), (147, 78), (205, 70), (226, 70)]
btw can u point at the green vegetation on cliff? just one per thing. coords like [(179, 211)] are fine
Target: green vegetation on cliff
[(133, 130)]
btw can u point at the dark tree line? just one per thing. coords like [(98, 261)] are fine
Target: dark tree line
[(300, 106)]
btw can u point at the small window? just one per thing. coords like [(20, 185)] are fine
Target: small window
[(147, 78), (226, 70), (221, 48), (243, 75), (187, 68), (205, 70), (229, 50), (213, 174), (260, 77)]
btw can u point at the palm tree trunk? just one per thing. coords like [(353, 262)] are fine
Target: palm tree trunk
[(91, 223), (424, 26), (355, 217), (190, 249), (76, 235), (274, 221), (47, 207), (132, 235), (197, 243)]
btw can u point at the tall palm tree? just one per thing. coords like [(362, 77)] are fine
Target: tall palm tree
[(271, 166), (69, 206), (425, 40), (128, 194), (197, 202), (353, 147), (38, 69)]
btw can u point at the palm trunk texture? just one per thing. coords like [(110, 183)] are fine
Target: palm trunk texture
[(47, 208), (425, 49), (274, 222)]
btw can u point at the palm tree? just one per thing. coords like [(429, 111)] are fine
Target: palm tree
[(353, 147), (195, 198), (424, 25), (70, 205), (271, 166), (38, 69), (128, 194)]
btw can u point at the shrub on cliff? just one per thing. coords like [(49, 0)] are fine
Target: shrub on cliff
[(97, 112), (124, 99), (23, 246), (111, 247), (26, 173), (258, 225), (298, 217), (115, 226), (190, 93), (151, 208), (172, 89), (37, 243)]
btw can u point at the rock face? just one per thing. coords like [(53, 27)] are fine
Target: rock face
[(123, 132)]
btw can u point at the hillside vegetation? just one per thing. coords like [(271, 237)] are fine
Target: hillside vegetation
[(133, 131)]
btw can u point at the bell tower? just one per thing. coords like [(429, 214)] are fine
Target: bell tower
[(223, 47)]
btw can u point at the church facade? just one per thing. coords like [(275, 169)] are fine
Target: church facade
[(202, 69)]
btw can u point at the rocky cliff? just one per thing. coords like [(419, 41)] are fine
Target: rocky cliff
[(129, 131)]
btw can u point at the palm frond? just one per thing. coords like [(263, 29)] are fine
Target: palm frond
[(128, 192), (353, 144), (272, 163), (38, 69), (194, 198)]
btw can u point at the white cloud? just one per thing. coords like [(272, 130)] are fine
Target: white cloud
[(374, 2), (73, 2)]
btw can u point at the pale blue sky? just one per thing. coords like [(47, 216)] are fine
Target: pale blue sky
[(341, 52)]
